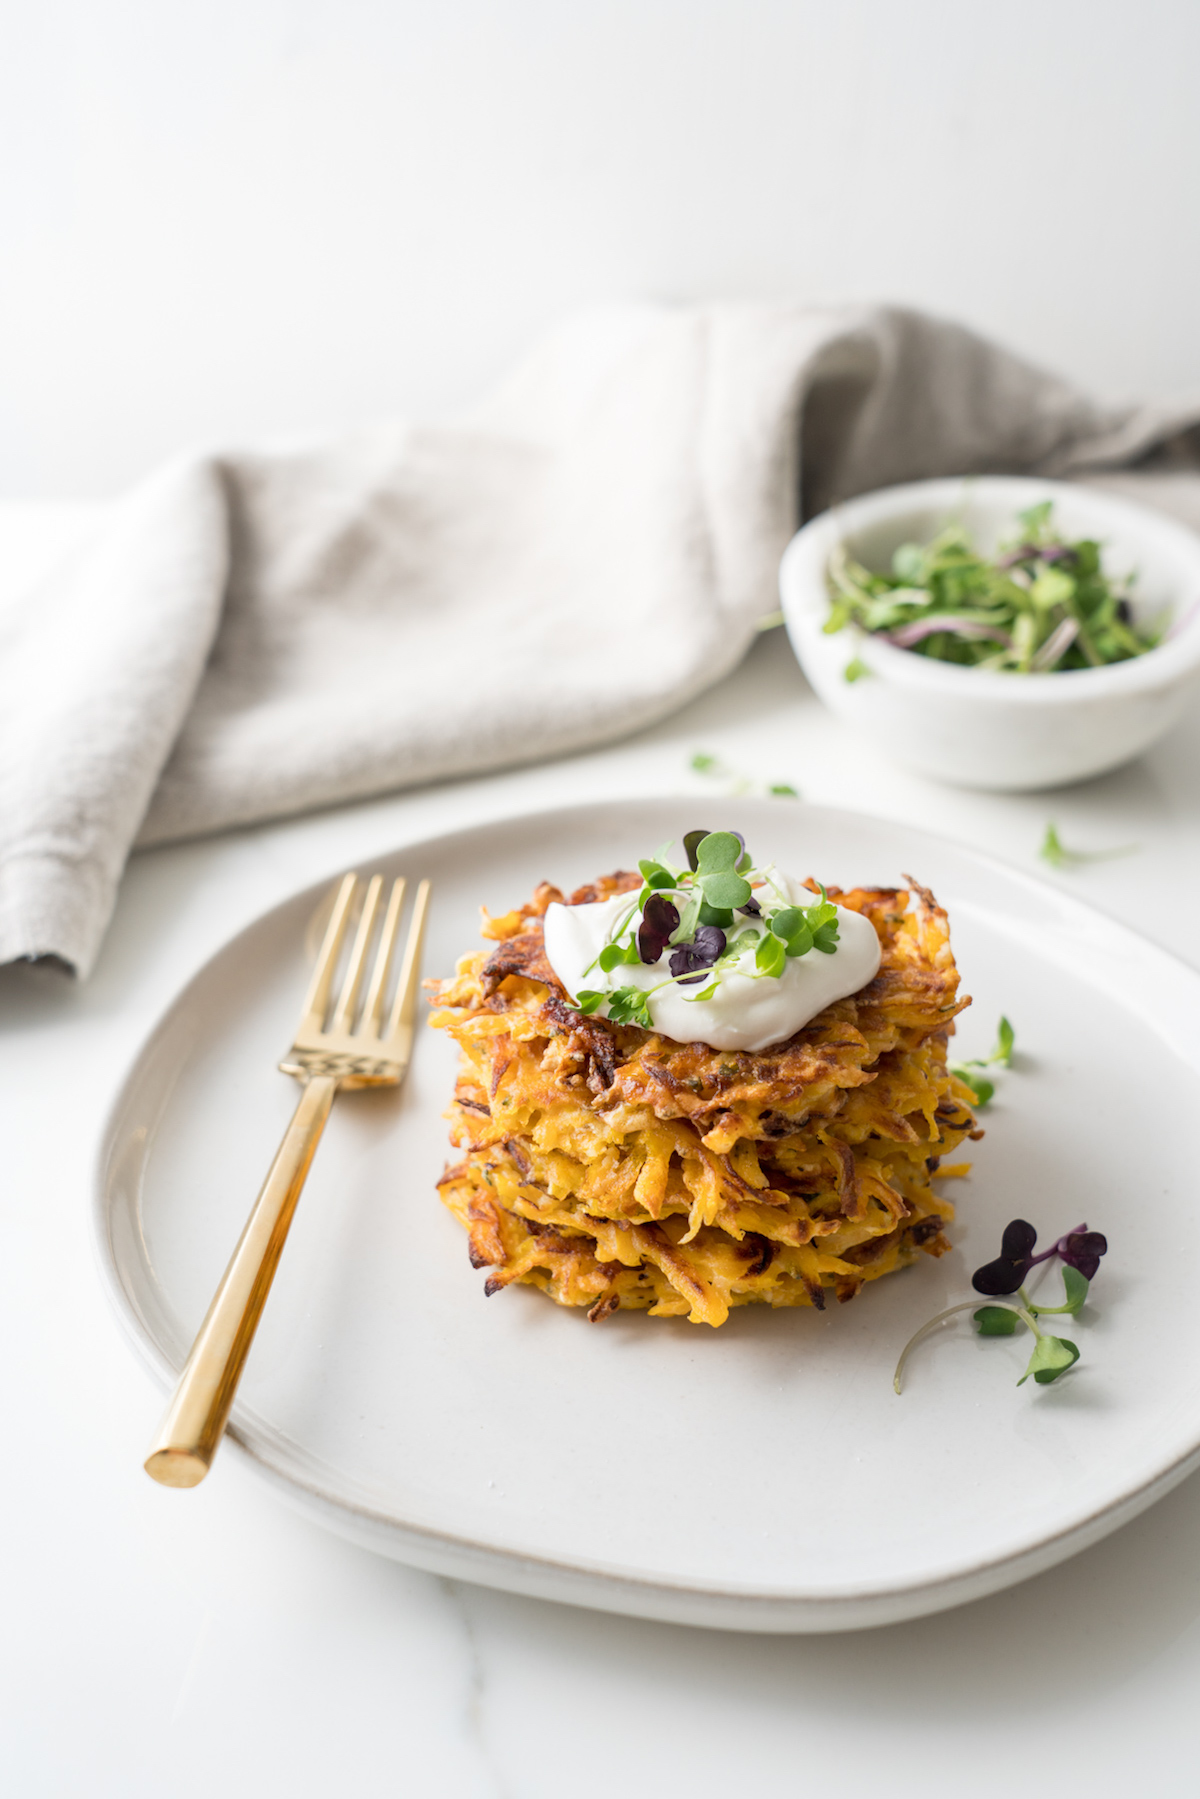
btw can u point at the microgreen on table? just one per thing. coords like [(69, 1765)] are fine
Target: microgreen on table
[(1055, 852), (1001, 1056), (717, 915), (1042, 605), (702, 763), (1078, 1252)]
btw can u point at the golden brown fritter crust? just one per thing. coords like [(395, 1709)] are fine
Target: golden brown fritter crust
[(617, 1168)]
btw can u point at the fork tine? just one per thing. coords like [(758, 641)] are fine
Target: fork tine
[(372, 1017), (343, 1017), (404, 1008), (316, 1000)]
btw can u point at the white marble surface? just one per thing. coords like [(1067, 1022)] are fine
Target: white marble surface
[(214, 1642)]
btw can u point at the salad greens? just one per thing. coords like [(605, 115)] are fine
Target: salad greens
[(714, 920), (1041, 606)]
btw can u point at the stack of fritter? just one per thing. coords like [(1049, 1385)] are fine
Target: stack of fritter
[(615, 1168)]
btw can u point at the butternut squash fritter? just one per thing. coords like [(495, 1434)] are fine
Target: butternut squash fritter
[(615, 1168)]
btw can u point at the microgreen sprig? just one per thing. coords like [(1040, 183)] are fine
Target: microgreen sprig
[(1055, 853), (1001, 1056), (709, 916), (1079, 1251), (736, 782)]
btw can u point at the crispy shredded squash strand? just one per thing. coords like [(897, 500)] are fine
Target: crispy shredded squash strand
[(617, 1169)]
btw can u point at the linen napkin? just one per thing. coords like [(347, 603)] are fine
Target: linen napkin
[(258, 633)]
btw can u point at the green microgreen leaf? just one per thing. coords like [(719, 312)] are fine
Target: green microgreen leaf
[(1001, 1055), (1036, 518), (770, 955), (998, 1321), (718, 853), (908, 562), (617, 955), (628, 1005), (981, 1088), (1051, 1357), (855, 669), (1075, 1288), (1002, 1051), (655, 875), (725, 889), (736, 782), (704, 993), (589, 1001), (1005, 1039), (785, 922), (689, 918), (718, 915), (1055, 852)]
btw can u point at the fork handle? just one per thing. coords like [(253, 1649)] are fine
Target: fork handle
[(195, 1420)]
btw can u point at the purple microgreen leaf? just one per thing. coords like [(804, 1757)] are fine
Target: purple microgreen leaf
[(921, 628), (1019, 1240), (659, 919), (752, 909), (1082, 1250), (1010, 1267), (709, 943)]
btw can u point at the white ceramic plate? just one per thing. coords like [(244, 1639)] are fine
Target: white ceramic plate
[(763, 1476)]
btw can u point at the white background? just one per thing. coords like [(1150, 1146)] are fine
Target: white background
[(226, 218)]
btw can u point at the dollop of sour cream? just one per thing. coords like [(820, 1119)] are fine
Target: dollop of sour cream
[(747, 1011)]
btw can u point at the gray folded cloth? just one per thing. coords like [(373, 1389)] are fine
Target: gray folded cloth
[(255, 634)]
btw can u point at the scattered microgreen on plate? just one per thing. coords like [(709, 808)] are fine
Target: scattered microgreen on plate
[(1079, 1252)]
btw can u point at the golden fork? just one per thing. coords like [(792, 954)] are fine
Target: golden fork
[(322, 1058)]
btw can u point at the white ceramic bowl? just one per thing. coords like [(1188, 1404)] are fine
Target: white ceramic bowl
[(979, 728)]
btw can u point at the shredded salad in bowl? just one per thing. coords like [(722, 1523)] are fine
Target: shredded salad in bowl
[(1041, 605)]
